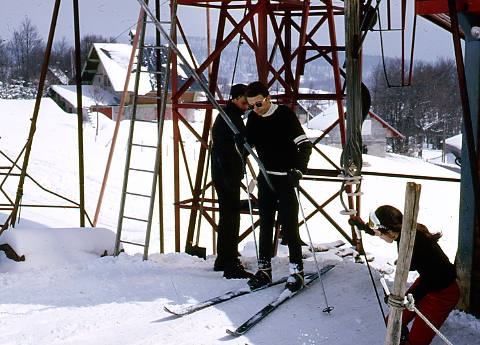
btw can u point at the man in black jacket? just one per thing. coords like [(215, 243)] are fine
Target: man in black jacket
[(284, 150), (227, 173)]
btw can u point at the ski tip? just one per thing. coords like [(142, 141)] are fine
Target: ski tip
[(233, 333), (165, 308)]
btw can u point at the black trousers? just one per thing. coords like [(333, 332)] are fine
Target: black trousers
[(229, 221), (285, 200)]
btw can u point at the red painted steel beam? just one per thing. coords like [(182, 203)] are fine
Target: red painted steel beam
[(215, 54), (240, 3), (423, 7), (279, 6), (262, 35)]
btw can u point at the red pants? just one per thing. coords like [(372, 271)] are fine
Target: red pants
[(435, 306)]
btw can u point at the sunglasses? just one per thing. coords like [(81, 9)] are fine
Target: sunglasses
[(258, 104)]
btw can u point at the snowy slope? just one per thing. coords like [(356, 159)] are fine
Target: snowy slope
[(65, 293)]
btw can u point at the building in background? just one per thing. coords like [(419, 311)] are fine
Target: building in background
[(375, 131), (104, 75)]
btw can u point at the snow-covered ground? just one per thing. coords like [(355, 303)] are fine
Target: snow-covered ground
[(66, 293)]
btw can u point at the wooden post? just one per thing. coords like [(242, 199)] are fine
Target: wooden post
[(407, 240)]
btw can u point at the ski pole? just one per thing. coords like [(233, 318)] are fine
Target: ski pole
[(328, 309), (250, 208)]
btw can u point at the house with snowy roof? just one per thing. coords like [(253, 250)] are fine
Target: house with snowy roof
[(106, 68), (375, 131), (93, 98)]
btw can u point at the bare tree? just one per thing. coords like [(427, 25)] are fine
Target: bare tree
[(4, 63), (21, 56), (427, 111), (98, 95), (26, 49), (62, 53)]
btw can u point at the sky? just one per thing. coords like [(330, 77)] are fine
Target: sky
[(114, 18), (66, 293)]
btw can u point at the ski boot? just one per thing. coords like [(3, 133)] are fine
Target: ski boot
[(263, 276), (295, 280), (235, 270)]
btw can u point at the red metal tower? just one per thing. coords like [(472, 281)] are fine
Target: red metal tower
[(285, 37)]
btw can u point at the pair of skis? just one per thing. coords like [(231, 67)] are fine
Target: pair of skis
[(247, 325)]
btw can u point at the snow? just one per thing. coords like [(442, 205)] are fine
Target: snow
[(115, 58), (325, 119), (455, 141), (69, 93), (46, 247), (62, 77), (67, 292)]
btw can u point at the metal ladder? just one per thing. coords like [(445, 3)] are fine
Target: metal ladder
[(138, 198)]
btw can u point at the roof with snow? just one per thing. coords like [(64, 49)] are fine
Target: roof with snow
[(455, 141), (90, 93), (328, 117), (115, 58), (325, 119), (454, 145), (60, 75)]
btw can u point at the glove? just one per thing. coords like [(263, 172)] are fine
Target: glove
[(361, 225), (303, 156), (410, 302), (294, 176), (239, 140)]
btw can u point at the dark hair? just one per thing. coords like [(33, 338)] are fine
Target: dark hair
[(256, 88), (391, 218), (238, 90)]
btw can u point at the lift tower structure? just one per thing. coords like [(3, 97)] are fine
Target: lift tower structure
[(284, 38)]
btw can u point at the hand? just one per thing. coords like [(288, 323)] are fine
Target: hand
[(294, 176), (358, 222), (410, 302), (239, 140), (361, 225)]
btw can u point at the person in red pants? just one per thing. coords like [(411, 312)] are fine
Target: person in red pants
[(435, 306), (435, 291)]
